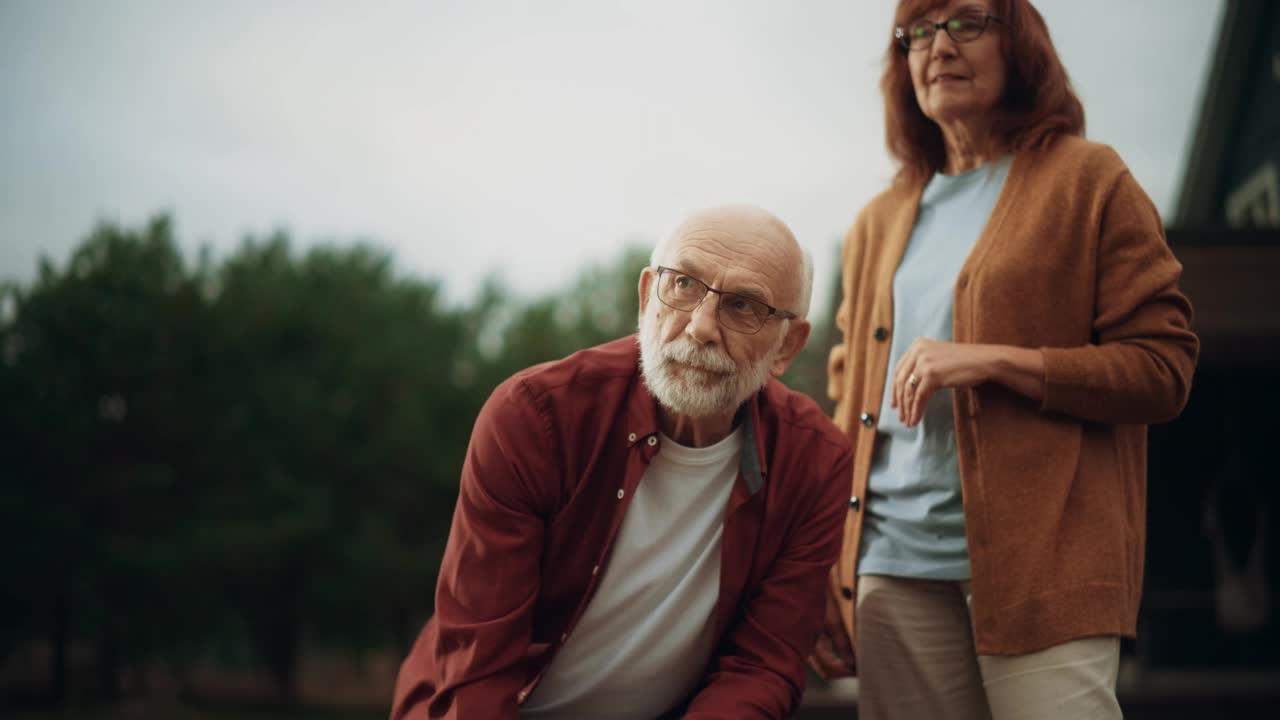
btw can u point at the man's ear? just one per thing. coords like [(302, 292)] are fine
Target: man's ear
[(797, 336), (646, 288)]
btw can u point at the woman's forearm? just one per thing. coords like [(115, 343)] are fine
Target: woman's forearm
[(1019, 369)]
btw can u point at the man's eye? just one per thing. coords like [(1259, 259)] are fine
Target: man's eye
[(682, 282)]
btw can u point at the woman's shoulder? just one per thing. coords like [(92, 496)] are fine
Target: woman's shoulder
[(1072, 155), (888, 202)]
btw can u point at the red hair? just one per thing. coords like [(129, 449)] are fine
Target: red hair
[(1038, 103)]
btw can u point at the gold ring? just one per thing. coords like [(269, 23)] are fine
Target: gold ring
[(912, 380)]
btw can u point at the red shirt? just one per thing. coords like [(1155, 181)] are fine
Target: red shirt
[(556, 454)]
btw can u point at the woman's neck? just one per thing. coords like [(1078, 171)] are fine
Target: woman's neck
[(969, 146)]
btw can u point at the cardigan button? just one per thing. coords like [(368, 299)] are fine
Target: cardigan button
[(868, 419), (855, 504), (881, 334), (847, 593)]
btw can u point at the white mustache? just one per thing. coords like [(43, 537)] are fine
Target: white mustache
[(683, 350)]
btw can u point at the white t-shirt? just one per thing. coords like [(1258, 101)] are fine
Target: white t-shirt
[(644, 641)]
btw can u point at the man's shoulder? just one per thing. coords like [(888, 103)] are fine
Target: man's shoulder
[(794, 414), (599, 369)]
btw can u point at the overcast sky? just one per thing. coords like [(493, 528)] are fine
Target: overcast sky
[(526, 137)]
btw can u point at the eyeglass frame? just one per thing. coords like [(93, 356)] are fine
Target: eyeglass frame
[(773, 311), (900, 32)]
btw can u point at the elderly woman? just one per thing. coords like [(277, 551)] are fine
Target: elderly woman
[(1012, 322)]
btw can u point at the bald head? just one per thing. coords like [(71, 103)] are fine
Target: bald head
[(747, 236)]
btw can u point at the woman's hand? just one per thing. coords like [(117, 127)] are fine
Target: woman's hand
[(932, 365), (835, 371)]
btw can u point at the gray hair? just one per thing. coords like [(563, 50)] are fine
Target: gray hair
[(806, 285)]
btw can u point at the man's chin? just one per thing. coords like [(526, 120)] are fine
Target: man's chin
[(701, 407)]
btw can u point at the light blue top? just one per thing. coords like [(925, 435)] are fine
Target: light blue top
[(914, 524)]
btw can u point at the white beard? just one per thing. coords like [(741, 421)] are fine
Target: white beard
[(708, 383)]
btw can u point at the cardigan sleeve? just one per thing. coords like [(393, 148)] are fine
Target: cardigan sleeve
[(838, 357), (1138, 368)]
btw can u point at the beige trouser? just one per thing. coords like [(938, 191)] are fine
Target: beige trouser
[(916, 661)]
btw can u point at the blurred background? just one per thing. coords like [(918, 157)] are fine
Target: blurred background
[(261, 263)]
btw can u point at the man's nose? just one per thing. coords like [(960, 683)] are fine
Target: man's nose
[(704, 321)]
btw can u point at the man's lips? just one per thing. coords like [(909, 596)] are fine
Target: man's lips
[(699, 368)]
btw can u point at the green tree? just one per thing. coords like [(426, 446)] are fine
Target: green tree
[(97, 360), (338, 441), (601, 305)]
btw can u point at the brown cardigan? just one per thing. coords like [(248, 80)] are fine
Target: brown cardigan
[(1072, 261)]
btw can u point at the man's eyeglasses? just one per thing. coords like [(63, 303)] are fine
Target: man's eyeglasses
[(963, 28), (736, 312)]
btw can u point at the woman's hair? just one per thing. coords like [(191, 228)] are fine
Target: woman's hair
[(1038, 103)]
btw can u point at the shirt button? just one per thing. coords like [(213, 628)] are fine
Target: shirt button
[(847, 593), (881, 334), (621, 492), (653, 439), (631, 437), (595, 570), (855, 504), (868, 419), (521, 696), (563, 637)]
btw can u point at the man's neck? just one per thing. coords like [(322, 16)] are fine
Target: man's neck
[(695, 432)]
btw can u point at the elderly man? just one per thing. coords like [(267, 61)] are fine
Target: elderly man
[(646, 532)]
